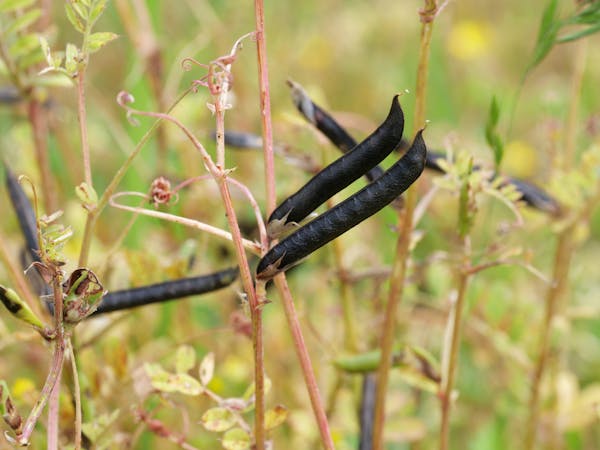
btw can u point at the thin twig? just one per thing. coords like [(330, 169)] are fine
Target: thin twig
[(39, 129), (76, 394), (304, 358), (82, 117), (251, 246), (450, 360), (265, 104), (403, 245), (108, 192)]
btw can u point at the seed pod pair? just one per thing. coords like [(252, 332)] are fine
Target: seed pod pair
[(341, 173), (532, 195), (347, 214), (326, 124)]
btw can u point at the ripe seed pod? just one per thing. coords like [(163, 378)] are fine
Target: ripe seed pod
[(341, 173), (347, 214), (169, 290), (326, 124)]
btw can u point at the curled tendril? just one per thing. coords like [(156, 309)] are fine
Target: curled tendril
[(124, 98), (188, 63)]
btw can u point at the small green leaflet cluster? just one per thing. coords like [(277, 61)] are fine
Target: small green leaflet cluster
[(83, 15), (227, 417), (585, 21), (19, 48)]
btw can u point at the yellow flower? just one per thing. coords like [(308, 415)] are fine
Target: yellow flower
[(21, 387), (469, 40)]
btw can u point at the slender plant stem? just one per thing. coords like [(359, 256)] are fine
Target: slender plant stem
[(109, 191), (82, 117), (255, 307), (39, 129), (280, 280), (562, 257), (573, 115), (256, 315), (562, 261), (265, 104), (304, 358), (451, 353), (403, 245), (54, 414), (76, 394), (52, 379)]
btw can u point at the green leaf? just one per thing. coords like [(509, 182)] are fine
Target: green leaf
[(4, 394), (168, 382), (23, 21), (87, 195), (249, 394), (491, 134), (98, 40), (236, 439), (185, 358), (74, 17), (96, 10), (549, 27), (93, 430), (275, 417), (24, 45), (218, 419), (578, 34), (59, 79), (419, 369), (71, 59), (18, 308), (13, 5), (207, 368)]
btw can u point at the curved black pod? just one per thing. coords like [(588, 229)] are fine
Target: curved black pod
[(347, 214), (25, 213), (169, 290), (327, 125), (341, 173)]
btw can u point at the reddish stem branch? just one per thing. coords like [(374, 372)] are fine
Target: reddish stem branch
[(39, 129), (265, 104), (304, 358)]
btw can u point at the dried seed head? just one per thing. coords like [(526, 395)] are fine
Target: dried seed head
[(160, 191)]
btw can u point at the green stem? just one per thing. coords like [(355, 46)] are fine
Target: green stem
[(403, 245), (562, 261), (455, 320)]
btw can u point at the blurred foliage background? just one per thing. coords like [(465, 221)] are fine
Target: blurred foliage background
[(352, 56)]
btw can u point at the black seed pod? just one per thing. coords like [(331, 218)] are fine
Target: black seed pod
[(341, 173), (327, 125), (347, 214), (25, 213), (169, 290)]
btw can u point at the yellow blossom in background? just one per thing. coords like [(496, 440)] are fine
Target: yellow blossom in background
[(21, 387), (520, 159), (469, 39)]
